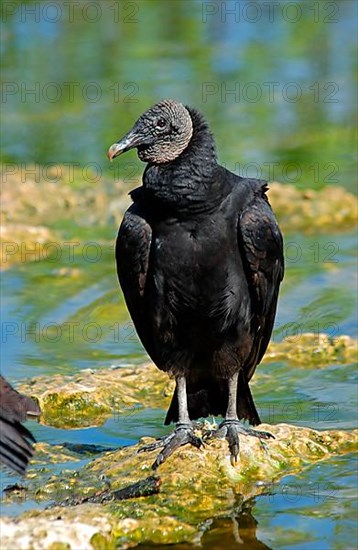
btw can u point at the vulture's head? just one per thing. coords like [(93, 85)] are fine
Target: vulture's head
[(160, 135)]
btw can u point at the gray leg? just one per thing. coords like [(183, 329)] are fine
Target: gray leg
[(231, 427), (183, 433), (231, 413), (182, 401)]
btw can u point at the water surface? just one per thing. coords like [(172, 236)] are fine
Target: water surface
[(279, 96)]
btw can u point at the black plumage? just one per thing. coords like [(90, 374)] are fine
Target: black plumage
[(15, 440), (200, 260)]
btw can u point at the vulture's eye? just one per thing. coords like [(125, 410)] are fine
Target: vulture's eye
[(161, 123)]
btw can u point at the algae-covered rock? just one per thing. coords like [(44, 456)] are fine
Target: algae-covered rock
[(90, 397), (22, 243), (31, 205), (56, 534), (57, 193), (311, 212), (313, 350), (196, 486)]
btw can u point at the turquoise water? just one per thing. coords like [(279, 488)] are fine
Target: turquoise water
[(279, 96)]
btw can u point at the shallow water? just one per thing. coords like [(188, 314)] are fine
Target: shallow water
[(278, 88), (57, 319), (290, 516)]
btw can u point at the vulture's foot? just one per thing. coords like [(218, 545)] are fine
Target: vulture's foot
[(231, 429), (182, 435)]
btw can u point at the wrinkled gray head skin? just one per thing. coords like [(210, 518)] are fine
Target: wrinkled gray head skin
[(160, 135)]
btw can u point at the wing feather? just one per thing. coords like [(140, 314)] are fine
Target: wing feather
[(132, 258), (261, 246), (15, 440)]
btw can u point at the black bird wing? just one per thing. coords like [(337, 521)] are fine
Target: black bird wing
[(15, 440), (261, 246), (132, 258)]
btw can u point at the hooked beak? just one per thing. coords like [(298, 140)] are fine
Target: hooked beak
[(127, 142)]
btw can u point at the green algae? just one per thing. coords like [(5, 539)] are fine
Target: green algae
[(196, 485), (90, 397), (312, 212), (313, 350), (38, 214), (77, 409)]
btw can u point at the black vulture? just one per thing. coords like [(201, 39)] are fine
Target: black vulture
[(200, 260), (15, 440)]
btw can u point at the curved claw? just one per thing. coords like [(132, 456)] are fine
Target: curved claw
[(234, 446), (156, 444), (230, 429), (182, 435)]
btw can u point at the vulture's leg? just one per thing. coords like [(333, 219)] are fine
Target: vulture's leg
[(183, 432), (231, 427)]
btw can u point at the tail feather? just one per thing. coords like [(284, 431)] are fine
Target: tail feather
[(245, 406)]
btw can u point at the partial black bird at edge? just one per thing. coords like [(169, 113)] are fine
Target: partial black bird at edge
[(200, 260), (16, 447)]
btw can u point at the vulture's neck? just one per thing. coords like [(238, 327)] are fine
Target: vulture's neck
[(189, 182)]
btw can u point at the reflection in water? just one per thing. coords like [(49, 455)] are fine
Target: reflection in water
[(116, 68), (238, 530)]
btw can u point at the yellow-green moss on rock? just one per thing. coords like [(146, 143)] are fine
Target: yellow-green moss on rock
[(29, 207), (90, 397), (21, 243), (313, 350), (311, 212), (196, 486)]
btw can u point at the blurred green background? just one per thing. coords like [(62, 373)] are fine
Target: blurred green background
[(276, 81)]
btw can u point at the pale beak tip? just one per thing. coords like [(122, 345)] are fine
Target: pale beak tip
[(111, 152)]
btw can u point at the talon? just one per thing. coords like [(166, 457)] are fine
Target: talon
[(182, 435), (158, 461), (160, 442), (231, 429), (233, 460)]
